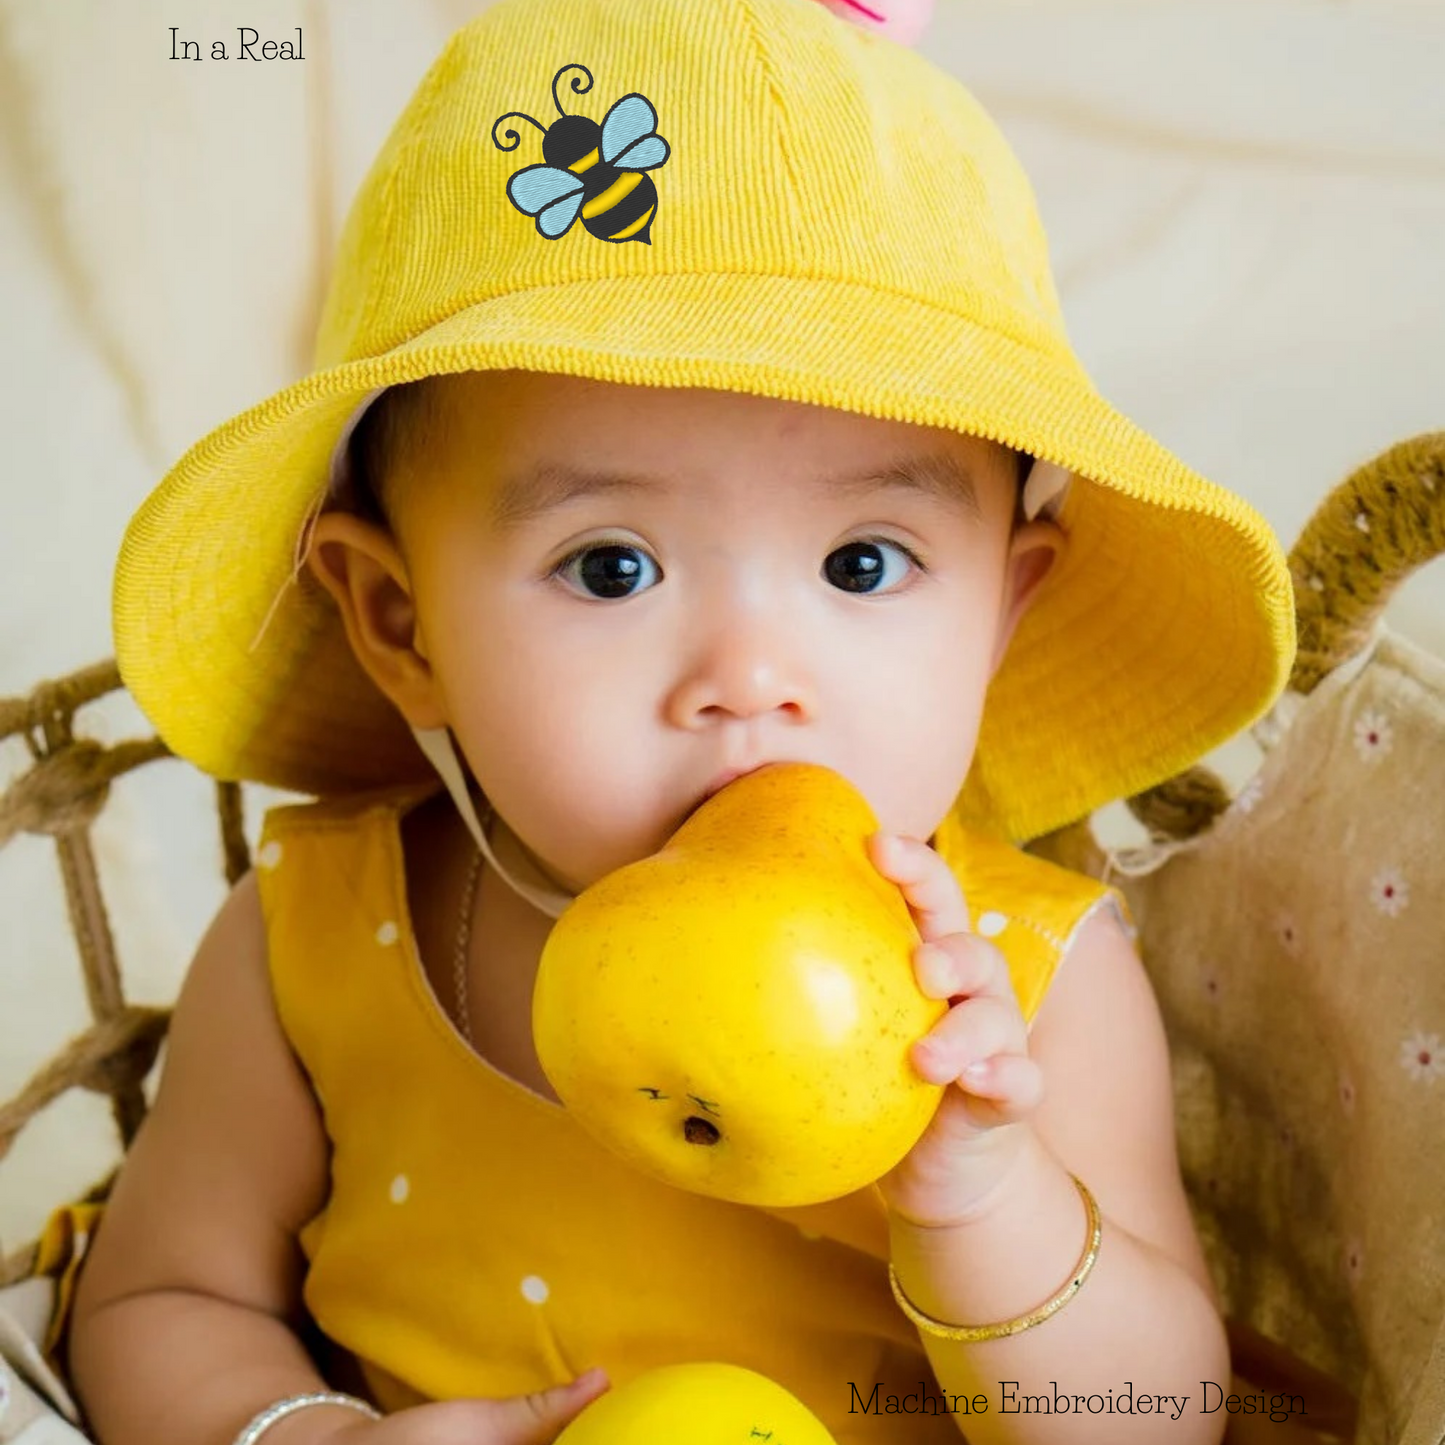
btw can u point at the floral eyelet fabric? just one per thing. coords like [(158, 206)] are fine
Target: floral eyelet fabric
[(1298, 952)]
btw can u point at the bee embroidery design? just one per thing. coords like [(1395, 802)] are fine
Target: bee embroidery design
[(597, 172)]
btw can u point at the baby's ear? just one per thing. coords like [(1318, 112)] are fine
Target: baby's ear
[(1033, 550), (359, 564)]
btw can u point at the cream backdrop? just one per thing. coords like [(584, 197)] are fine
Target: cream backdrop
[(1246, 203)]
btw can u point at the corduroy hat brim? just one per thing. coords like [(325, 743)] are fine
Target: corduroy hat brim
[(1166, 627)]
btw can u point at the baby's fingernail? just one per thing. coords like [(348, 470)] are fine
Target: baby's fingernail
[(976, 1072)]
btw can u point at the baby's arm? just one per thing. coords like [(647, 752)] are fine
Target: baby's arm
[(1148, 1311), (184, 1315), (184, 1310)]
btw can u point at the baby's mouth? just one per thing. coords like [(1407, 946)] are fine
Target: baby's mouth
[(712, 790), (724, 779)]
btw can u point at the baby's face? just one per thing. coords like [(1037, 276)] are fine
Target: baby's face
[(728, 598)]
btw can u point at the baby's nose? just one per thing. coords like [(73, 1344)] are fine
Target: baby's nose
[(746, 667)]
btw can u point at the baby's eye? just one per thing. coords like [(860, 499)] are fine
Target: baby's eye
[(607, 569), (858, 566)]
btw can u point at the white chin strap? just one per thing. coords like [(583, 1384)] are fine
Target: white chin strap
[(436, 743), (1045, 490)]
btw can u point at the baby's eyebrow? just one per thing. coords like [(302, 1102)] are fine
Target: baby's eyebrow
[(551, 485)]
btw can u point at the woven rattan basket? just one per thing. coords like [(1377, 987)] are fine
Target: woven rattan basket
[(59, 796)]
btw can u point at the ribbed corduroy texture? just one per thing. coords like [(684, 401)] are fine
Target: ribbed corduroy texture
[(837, 222)]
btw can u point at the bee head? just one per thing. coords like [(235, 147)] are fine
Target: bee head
[(569, 139)]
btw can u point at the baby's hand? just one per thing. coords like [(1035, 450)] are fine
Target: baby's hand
[(979, 1048), (535, 1419)]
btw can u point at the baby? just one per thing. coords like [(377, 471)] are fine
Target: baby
[(726, 419)]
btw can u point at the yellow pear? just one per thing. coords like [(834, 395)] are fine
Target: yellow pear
[(702, 1404), (733, 1014)]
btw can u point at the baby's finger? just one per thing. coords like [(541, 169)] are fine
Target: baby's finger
[(1012, 1085), (535, 1419), (927, 883), (963, 965), (538, 1419), (973, 1030)]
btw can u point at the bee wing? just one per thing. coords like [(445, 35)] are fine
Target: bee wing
[(553, 195), (628, 135)]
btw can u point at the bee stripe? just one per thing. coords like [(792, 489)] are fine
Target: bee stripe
[(623, 186), (584, 163), (636, 226)]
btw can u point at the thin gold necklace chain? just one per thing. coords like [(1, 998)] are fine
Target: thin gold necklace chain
[(464, 938)]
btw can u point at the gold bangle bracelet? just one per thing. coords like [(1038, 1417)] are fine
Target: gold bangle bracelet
[(973, 1333)]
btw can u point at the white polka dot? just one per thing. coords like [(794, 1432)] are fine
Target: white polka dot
[(400, 1188), (534, 1289), (82, 1243), (1362, 522), (387, 934), (992, 924), (270, 854)]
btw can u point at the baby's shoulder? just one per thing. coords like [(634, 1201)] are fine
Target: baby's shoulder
[(317, 860), (996, 874), (338, 811), (1032, 910)]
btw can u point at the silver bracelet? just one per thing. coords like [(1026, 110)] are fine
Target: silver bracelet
[(272, 1413)]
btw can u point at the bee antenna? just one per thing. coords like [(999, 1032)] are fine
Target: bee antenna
[(577, 87), (512, 135)]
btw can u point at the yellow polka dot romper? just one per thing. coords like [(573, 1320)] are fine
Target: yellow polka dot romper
[(476, 1242)]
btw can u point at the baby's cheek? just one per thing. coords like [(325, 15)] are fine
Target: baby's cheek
[(900, 20)]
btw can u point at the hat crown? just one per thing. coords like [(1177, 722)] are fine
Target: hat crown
[(821, 216), (793, 143)]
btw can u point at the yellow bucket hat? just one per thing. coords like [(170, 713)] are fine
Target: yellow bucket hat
[(754, 197)]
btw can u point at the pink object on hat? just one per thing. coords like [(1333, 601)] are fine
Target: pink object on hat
[(900, 20)]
